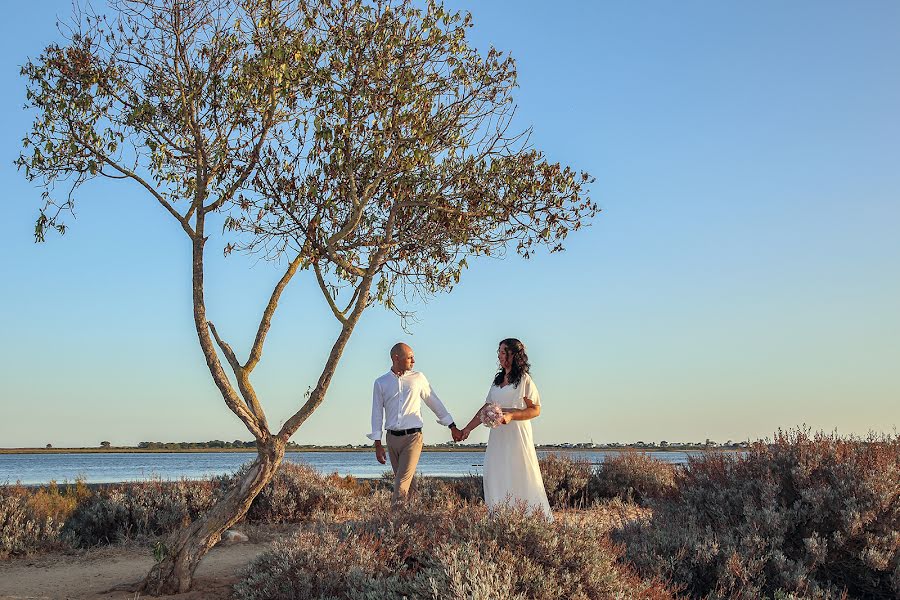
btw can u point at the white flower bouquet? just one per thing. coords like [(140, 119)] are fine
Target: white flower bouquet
[(491, 416)]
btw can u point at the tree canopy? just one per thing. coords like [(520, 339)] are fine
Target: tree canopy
[(366, 141)]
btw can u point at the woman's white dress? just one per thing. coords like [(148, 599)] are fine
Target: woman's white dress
[(511, 470)]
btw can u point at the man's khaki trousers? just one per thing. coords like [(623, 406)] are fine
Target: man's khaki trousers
[(404, 451)]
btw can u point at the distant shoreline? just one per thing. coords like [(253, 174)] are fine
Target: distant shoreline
[(127, 450)]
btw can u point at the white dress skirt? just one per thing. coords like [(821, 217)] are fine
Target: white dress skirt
[(511, 471)]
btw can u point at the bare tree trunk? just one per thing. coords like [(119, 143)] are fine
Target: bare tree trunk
[(186, 547)]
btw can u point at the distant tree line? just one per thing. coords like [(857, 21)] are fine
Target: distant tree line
[(190, 445), (194, 445)]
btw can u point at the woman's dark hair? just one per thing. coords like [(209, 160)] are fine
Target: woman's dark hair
[(519, 365)]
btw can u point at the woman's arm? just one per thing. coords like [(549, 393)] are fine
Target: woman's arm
[(530, 411), (475, 422)]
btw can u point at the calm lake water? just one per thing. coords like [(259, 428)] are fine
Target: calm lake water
[(32, 469)]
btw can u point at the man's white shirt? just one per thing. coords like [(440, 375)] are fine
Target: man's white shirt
[(397, 403)]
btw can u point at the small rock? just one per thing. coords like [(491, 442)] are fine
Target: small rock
[(232, 536)]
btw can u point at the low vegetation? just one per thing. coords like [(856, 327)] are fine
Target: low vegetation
[(800, 517), (31, 519), (136, 511), (633, 477), (805, 516), (437, 552)]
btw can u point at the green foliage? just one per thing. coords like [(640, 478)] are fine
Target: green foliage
[(366, 137), (175, 98), (406, 162), (811, 516)]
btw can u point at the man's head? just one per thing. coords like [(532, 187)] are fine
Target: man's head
[(402, 358)]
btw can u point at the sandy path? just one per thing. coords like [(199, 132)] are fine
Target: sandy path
[(91, 576)]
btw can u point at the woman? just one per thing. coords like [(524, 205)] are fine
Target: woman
[(511, 470)]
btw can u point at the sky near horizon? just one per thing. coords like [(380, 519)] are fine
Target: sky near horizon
[(743, 276)]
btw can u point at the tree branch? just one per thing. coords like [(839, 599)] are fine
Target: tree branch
[(340, 316), (132, 175), (226, 349), (266, 320), (362, 300), (255, 424), (268, 123)]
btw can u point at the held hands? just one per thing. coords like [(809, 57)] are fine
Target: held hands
[(460, 435)]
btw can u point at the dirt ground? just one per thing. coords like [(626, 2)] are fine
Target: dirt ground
[(108, 572)]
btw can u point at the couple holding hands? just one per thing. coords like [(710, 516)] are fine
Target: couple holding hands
[(511, 470)]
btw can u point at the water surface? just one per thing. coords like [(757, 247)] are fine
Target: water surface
[(41, 468)]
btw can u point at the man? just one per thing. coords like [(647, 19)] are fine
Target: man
[(397, 404)]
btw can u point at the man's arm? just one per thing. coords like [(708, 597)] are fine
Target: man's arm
[(377, 423), (430, 398)]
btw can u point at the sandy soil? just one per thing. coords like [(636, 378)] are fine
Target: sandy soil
[(107, 573)]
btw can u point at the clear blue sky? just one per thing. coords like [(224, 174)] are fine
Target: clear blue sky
[(744, 275)]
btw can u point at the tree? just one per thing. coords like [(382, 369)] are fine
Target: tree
[(105, 444), (364, 142)]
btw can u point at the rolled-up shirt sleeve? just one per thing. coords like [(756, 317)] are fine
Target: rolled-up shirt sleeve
[(434, 403), (377, 413)]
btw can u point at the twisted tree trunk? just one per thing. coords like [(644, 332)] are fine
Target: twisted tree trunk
[(186, 547)]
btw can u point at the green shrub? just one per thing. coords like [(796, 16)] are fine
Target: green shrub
[(299, 492), (149, 509), (566, 480), (134, 510), (633, 477), (460, 552), (469, 488), (813, 516)]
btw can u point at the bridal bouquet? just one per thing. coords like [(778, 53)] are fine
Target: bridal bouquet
[(491, 416)]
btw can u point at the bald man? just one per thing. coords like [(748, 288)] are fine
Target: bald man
[(397, 405)]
